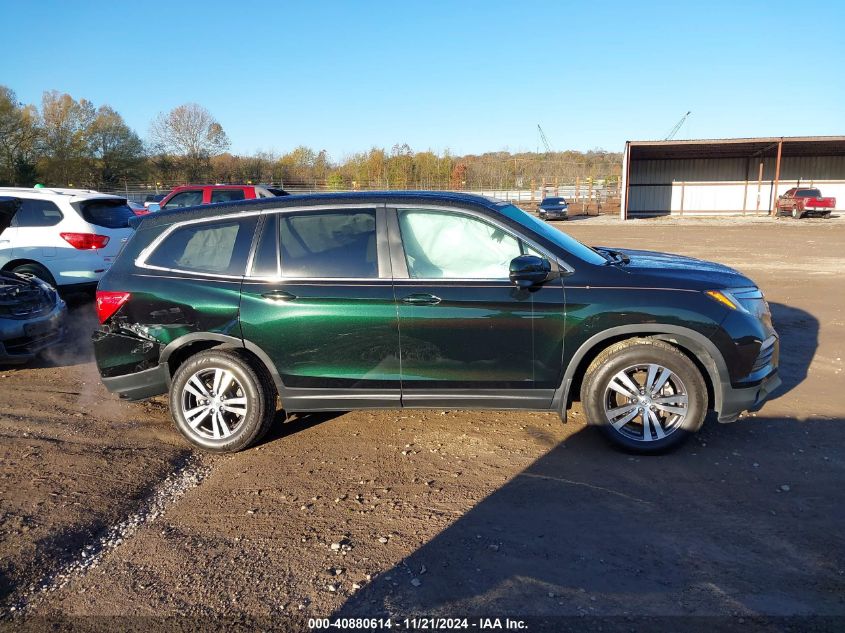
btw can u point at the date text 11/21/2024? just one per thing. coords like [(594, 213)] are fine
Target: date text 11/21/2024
[(417, 624)]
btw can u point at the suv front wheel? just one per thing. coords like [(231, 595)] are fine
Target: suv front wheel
[(645, 395), (220, 403)]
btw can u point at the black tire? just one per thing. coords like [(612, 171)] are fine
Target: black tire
[(250, 384), (36, 269), (796, 214), (826, 215), (600, 400)]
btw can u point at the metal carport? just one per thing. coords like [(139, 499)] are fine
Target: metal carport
[(727, 176)]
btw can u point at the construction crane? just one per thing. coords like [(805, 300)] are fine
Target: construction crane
[(542, 137), (677, 127)]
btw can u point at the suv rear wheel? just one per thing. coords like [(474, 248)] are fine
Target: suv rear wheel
[(37, 270), (220, 403), (645, 395)]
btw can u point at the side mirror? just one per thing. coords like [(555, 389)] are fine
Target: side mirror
[(154, 206), (529, 270)]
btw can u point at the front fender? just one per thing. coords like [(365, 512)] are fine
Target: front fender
[(694, 342)]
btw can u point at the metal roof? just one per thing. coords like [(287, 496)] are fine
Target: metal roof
[(737, 147)]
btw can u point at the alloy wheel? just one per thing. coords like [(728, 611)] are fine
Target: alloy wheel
[(646, 402), (214, 403)]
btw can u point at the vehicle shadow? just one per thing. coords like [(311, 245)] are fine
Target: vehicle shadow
[(799, 339), (286, 424), (586, 531), (730, 523)]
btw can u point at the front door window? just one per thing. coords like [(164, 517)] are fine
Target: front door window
[(444, 245)]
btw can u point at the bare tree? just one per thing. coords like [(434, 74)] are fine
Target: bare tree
[(190, 132)]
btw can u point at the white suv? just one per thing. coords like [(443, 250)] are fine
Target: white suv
[(67, 237)]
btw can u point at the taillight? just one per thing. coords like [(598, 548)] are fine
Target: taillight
[(109, 302), (85, 241)]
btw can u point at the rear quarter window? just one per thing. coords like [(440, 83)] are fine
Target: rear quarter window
[(108, 214), (37, 213), (218, 248)]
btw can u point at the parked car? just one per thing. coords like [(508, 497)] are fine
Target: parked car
[(195, 195), (67, 237), (32, 315), (305, 298), (137, 208), (154, 198), (553, 209), (800, 201)]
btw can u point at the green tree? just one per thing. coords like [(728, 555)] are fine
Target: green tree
[(335, 181), (116, 150)]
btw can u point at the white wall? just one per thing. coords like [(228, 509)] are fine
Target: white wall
[(713, 186)]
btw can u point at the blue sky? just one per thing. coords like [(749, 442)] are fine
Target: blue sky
[(468, 76)]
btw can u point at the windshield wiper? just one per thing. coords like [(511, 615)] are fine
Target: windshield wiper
[(613, 257)]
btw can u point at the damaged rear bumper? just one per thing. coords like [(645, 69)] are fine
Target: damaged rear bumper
[(139, 385), (129, 366)]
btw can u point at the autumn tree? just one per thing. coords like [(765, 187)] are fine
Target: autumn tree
[(19, 133), (64, 143), (192, 134)]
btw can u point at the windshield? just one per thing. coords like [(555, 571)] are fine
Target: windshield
[(567, 243), (808, 193), (554, 201)]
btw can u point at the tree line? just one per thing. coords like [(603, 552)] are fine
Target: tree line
[(67, 142)]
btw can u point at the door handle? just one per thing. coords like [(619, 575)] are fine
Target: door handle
[(421, 300), (278, 295)]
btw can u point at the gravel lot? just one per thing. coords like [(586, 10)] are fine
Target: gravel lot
[(105, 512)]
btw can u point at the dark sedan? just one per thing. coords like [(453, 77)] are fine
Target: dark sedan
[(553, 209)]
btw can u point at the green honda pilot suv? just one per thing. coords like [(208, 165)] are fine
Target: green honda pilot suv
[(420, 299)]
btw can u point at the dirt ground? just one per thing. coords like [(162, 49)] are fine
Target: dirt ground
[(108, 520)]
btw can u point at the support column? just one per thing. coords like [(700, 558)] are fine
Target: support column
[(774, 201)]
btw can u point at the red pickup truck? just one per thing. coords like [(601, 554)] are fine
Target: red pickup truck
[(800, 202)]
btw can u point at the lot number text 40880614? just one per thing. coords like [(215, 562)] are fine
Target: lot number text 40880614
[(418, 624)]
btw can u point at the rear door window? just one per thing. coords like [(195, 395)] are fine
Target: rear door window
[(37, 213), (108, 214), (330, 243), (218, 248), (226, 195), (185, 199)]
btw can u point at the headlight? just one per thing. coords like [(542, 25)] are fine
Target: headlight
[(749, 300)]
